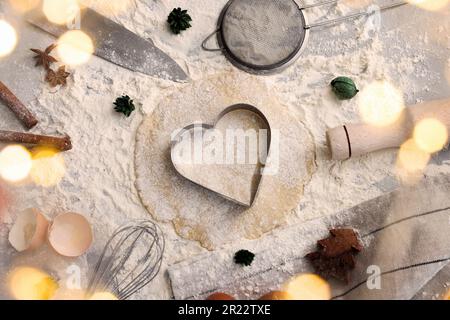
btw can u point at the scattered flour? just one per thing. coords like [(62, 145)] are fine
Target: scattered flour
[(100, 175)]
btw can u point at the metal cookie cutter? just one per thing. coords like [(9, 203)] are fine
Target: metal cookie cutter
[(222, 191)]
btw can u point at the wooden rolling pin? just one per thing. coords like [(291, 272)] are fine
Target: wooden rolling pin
[(357, 139)]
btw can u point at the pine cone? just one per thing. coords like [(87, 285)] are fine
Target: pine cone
[(179, 20)]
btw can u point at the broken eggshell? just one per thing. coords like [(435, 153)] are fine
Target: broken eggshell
[(29, 231), (70, 234)]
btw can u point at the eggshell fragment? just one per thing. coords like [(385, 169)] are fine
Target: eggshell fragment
[(70, 234), (29, 231)]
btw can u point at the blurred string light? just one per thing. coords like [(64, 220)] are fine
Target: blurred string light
[(411, 162), (380, 104), (75, 48), (23, 6), (108, 7), (103, 296), (431, 5), (8, 38), (48, 167), (26, 283), (60, 11), (64, 293), (430, 135), (447, 295), (15, 163), (308, 287)]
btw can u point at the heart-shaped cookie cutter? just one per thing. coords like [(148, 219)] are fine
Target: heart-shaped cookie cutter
[(205, 126)]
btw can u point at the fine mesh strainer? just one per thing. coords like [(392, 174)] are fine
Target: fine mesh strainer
[(266, 36)]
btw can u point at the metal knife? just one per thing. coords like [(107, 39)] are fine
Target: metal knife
[(118, 45)]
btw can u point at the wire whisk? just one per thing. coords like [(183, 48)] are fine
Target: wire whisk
[(131, 259)]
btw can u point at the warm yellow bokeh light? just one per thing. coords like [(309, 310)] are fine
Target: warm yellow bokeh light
[(430, 135), (108, 7), (308, 287), (431, 5), (15, 163), (412, 159), (23, 6), (75, 48), (8, 38), (103, 296), (28, 283), (69, 294), (381, 104), (447, 296), (48, 167), (61, 11)]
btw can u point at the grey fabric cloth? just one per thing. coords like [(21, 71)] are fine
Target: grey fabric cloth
[(406, 240)]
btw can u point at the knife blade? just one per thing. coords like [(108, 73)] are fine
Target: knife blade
[(118, 45)]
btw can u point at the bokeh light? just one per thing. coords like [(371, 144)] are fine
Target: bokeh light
[(308, 287), (48, 167), (411, 162), (381, 104), (60, 11), (15, 163), (23, 6), (75, 48), (8, 38), (28, 283), (431, 5), (447, 295), (108, 7), (103, 296), (69, 294), (430, 135)]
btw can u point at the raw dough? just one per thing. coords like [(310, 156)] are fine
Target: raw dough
[(196, 213)]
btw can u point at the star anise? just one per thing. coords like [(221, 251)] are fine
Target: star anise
[(43, 58), (57, 78)]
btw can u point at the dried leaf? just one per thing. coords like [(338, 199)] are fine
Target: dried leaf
[(340, 241), (336, 254)]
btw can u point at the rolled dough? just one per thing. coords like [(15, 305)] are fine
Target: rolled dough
[(195, 212)]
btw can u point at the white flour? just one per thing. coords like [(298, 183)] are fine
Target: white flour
[(100, 171)]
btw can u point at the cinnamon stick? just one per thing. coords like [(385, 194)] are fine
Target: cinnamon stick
[(16, 106), (60, 143)]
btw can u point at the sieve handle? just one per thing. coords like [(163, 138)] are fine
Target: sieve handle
[(319, 4), (205, 42), (351, 16)]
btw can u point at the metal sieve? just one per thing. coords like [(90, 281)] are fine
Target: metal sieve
[(266, 36)]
